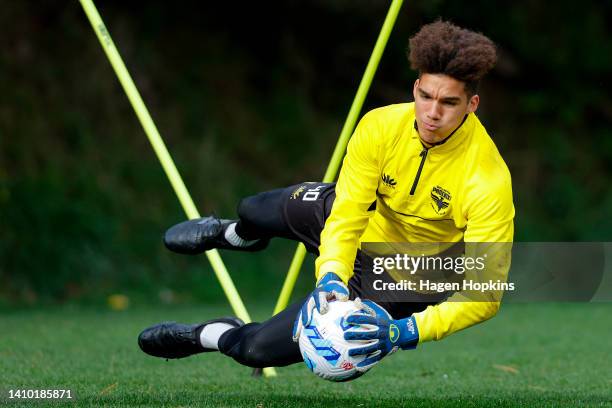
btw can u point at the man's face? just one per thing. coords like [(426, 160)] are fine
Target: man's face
[(440, 105)]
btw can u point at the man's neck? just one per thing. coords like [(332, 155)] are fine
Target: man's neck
[(425, 144)]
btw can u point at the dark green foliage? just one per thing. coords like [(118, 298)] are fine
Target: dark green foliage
[(254, 98)]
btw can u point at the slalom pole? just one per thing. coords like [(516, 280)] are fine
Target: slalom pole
[(345, 134), (164, 157)]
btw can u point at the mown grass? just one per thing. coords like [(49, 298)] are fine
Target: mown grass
[(529, 355)]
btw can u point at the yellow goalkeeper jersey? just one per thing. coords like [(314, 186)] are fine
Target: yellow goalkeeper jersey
[(454, 191)]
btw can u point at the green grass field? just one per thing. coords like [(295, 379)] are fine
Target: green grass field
[(529, 355)]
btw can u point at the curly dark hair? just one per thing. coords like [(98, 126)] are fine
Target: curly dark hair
[(444, 48)]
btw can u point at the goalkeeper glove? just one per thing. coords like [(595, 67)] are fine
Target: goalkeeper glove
[(386, 336), (329, 287)]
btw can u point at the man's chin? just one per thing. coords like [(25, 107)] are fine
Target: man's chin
[(428, 137)]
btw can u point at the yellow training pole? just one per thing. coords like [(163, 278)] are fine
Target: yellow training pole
[(347, 129), (164, 157)]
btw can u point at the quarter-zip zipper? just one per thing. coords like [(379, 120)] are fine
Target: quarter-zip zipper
[(423, 155)]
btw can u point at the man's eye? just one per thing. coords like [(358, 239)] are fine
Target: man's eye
[(450, 103), (425, 96)]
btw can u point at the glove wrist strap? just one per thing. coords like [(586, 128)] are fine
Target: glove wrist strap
[(408, 333), (328, 277)]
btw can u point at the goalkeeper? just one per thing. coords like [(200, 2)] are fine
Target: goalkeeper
[(425, 171)]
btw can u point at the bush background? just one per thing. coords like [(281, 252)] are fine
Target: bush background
[(249, 97)]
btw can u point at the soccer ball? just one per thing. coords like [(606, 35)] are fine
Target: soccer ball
[(323, 347)]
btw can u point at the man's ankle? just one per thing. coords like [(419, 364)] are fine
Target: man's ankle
[(234, 237)]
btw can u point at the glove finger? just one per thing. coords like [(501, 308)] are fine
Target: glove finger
[(376, 308), (340, 296), (306, 311), (361, 335), (364, 308), (358, 318), (321, 302), (363, 351), (297, 328), (366, 364)]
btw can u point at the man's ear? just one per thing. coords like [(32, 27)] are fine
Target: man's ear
[(415, 87), (473, 103)]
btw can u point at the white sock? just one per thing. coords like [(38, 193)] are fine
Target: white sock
[(233, 238), (211, 333)]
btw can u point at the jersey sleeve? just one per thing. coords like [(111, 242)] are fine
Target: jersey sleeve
[(355, 193), (489, 212)]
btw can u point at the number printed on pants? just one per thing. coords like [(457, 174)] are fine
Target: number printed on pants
[(312, 194)]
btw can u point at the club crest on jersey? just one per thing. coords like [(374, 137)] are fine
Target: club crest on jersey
[(441, 199), (388, 181)]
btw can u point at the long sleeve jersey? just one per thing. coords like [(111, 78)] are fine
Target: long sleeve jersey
[(459, 190)]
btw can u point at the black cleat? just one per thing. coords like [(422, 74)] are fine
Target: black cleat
[(176, 340), (196, 236)]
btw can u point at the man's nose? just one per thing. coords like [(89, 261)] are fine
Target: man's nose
[(434, 111)]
